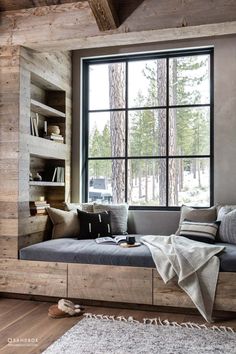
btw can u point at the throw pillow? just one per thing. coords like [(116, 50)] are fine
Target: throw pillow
[(119, 216), (65, 223), (82, 206), (199, 231), (227, 229), (199, 215), (93, 225)]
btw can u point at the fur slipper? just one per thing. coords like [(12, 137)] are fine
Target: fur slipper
[(69, 307), (64, 308)]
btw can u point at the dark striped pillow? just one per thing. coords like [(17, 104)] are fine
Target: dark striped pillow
[(93, 225), (199, 231)]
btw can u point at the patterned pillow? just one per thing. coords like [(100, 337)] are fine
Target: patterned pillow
[(93, 225), (198, 215), (227, 229), (119, 216), (199, 231)]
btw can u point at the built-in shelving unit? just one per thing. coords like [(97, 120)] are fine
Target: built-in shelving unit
[(47, 156)]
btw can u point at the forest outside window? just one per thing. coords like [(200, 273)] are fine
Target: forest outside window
[(147, 129)]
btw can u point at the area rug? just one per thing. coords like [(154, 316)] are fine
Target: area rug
[(97, 334)]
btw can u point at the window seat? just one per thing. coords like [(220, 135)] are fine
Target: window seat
[(69, 250)]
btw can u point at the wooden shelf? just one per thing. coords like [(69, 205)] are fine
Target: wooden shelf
[(46, 148), (46, 184), (45, 110)]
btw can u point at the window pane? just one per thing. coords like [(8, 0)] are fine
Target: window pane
[(107, 134), (189, 182), (106, 181), (189, 80), (107, 86), (189, 131), (147, 182), (147, 132), (147, 83)]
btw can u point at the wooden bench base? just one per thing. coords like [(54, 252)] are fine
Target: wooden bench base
[(105, 283)]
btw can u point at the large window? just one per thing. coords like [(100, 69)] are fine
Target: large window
[(147, 129)]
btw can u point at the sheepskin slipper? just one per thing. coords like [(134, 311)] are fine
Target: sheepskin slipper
[(69, 307), (54, 312), (64, 308)]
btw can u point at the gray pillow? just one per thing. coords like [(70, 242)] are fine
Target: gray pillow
[(198, 215), (227, 230), (88, 207), (119, 216)]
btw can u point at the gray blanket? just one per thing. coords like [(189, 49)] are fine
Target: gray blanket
[(193, 263)]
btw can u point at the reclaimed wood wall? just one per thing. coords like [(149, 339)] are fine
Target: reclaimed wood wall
[(9, 149), (18, 65)]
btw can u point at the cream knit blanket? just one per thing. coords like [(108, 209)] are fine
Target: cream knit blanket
[(194, 264)]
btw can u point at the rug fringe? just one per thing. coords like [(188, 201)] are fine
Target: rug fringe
[(159, 322)]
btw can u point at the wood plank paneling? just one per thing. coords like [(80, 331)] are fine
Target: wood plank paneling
[(8, 246), (226, 292), (44, 278), (18, 67), (72, 26), (171, 294), (110, 283), (9, 5), (9, 168)]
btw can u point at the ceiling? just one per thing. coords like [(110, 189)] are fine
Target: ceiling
[(8, 5)]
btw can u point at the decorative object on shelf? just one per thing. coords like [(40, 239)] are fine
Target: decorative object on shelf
[(53, 129), (38, 177), (30, 176)]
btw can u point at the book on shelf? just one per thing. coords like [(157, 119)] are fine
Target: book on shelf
[(34, 125), (55, 137), (59, 175), (38, 207), (113, 240)]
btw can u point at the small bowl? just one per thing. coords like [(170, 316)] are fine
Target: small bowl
[(53, 129)]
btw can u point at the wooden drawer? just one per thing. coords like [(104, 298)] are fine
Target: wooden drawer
[(110, 283), (226, 292), (33, 277), (169, 294)]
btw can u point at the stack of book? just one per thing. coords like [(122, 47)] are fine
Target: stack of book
[(38, 207), (59, 175), (55, 137)]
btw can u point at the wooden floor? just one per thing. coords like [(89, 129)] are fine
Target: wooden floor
[(23, 319)]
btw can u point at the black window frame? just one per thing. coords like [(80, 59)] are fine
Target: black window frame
[(85, 118)]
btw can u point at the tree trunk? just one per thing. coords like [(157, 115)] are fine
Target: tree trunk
[(173, 167), (117, 129), (161, 92)]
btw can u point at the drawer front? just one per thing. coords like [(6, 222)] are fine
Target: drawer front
[(33, 277), (110, 283)]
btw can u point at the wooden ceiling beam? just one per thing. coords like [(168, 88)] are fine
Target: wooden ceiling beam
[(105, 14)]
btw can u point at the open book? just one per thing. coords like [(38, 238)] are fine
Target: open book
[(108, 239)]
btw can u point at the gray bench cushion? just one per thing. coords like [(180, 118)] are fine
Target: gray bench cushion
[(70, 250)]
